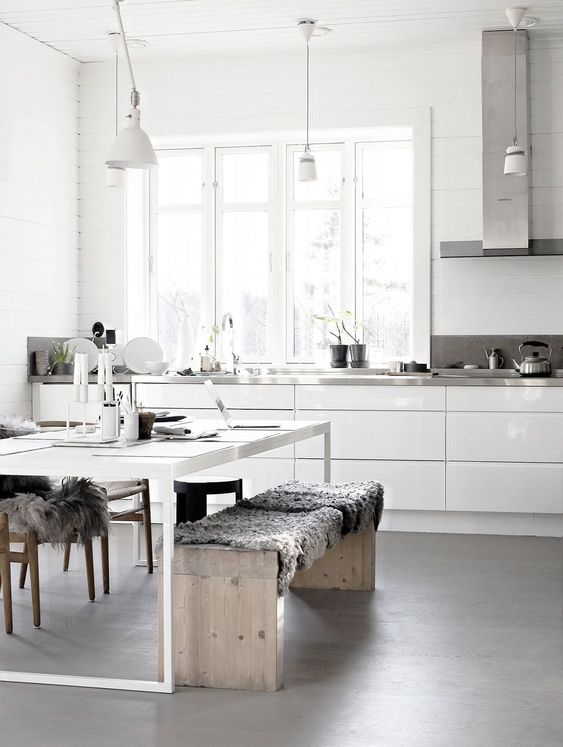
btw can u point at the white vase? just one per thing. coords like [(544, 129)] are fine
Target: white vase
[(185, 347)]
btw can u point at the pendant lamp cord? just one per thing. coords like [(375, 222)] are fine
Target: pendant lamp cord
[(116, 91), (307, 146), (515, 138), (134, 93)]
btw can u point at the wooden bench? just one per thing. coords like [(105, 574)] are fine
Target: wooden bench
[(229, 619)]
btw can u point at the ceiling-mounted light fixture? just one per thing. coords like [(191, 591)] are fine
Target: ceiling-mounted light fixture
[(307, 169), (116, 177), (132, 149), (515, 157)]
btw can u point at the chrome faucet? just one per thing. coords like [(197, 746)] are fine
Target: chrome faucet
[(228, 323)]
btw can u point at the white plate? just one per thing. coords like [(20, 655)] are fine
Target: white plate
[(138, 351), (82, 345)]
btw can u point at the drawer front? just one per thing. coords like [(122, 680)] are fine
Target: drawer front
[(378, 435), (416, 486), (258, 474), (512, 488), (344, 397), (504, 399), (213, 417), (505, 437), (50, 401), (235, 396)]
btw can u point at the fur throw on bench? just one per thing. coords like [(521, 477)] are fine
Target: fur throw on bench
[(55, 512), (299, 539), (360, 503)]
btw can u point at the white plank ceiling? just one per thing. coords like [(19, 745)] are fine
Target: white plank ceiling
[(182, 27)]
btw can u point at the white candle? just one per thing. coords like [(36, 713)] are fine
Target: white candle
[(83, 362), (101, 372), (76, 378), (108, 377)]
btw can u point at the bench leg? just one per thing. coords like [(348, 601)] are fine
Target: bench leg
[(350, 565), (228, 619)]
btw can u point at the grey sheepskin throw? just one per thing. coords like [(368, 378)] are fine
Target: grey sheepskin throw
[(360, 503), (76, 505), (11, 426), (299, 539)]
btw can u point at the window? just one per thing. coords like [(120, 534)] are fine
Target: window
[(233, 230)]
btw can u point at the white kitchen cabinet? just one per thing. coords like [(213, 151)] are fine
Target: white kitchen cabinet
[(504, 399), (504, 437), (417, 486), (510, 488), (378, 435), (235, 396), (349, 397), (50, 401), (258, 474)]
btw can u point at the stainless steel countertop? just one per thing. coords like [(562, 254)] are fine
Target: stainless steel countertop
[(449, 377)]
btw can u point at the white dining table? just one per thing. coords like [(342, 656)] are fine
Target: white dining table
[(161, 462)]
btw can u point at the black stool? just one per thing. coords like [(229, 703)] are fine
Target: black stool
[(191, 494)]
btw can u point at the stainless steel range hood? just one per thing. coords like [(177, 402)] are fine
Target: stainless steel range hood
[(506, 199)]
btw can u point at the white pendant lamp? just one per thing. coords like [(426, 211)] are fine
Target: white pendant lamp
[(307, 169), (132, 149), (515, 157)]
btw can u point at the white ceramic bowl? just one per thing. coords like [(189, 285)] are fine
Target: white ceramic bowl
[(157, 368)]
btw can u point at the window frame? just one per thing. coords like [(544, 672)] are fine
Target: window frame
[(279, 333)]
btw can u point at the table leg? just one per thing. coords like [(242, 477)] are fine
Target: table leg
[(165, 491), (326, 456)]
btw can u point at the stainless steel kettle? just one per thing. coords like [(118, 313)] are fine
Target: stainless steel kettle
[(534, 364)]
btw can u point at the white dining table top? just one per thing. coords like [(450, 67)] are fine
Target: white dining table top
[(35, 454)]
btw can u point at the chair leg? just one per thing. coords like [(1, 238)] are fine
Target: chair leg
[(147, 521), (104, 547), (5, 572), (23, 568), (33, 559), (88, 554), (66, 560)]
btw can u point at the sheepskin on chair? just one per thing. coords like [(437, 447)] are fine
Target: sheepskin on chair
[(361, 503), (55, 512), (299, 539)]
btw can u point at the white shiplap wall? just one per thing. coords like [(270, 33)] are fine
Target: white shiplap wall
[(208, 95), (38, 205)]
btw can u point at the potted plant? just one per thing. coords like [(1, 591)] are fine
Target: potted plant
[(62, 358), (338, 350), (358, 350)]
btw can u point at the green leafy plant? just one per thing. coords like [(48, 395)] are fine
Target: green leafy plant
[(62, 353), (339, 321)]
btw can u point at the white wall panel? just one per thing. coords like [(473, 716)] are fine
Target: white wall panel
[(38, 205)]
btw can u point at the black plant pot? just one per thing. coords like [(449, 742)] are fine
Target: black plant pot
[(63, 369), (359, 356), (338, 356)]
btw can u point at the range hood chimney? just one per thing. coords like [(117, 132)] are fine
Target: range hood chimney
[(506, 198)]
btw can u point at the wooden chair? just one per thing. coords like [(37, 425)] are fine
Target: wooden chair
[(27, 557), (115, 492), (89, 557)]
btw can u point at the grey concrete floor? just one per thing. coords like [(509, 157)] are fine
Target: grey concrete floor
[(461, 644)]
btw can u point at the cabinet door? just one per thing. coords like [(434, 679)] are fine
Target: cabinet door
[(417, 486), (258, 474), (378, 435), (366, 397), (513, 488), (505, 398), (505, 437), (50, 401), (235, 396)]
